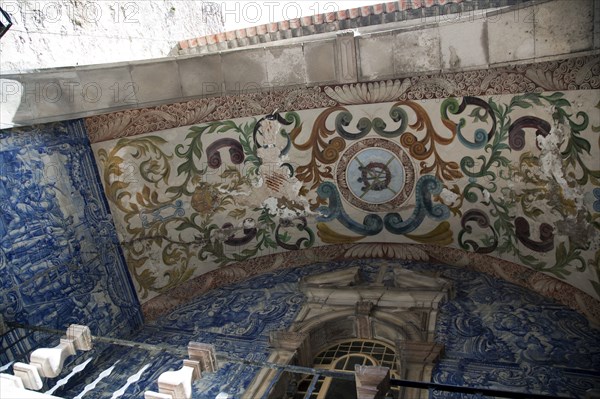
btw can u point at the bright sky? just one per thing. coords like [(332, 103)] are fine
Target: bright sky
[(242, 14)]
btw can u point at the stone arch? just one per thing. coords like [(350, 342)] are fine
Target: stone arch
[(402, 326), (341, 307), (543, 284)]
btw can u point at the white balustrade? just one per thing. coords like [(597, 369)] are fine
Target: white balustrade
[(29, 375), (178, 384), (48, 362), (12, 387)]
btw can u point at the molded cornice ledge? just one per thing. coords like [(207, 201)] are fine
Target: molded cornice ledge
[(431, 45)]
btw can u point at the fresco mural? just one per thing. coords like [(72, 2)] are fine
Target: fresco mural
[(496, 335), (218, 202), (60, 262), (512, 176)]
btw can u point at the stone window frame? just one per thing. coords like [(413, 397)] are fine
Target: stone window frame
[(375, 359), (340, 306)]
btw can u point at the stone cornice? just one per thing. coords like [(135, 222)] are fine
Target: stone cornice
[(433, 46), (578, 73)]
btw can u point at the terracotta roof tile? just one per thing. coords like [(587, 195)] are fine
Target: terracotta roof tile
[(240, 33), (307, 21), (221, 37), (211, 39), (251, 31), (384, 12), (284, 25), (329, 17), (261, 30), (230, 35)]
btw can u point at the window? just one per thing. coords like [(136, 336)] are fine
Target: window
[(344, 356)]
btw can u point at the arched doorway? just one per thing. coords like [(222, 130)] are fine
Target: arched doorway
[(348, 321)]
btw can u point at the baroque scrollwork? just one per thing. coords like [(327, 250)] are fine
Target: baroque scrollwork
[(512, 176)]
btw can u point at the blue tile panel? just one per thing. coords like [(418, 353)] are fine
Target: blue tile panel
[(60, 262), (236, 319), (497, 335)]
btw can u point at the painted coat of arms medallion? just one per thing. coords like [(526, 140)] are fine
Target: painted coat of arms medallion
[(375, 175)]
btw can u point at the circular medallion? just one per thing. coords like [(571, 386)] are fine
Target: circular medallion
[(375, 175)]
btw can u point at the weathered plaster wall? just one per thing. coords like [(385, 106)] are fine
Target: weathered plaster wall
[(433, 40), (512, 176), (496, 335), (50, 34), (60, 260)]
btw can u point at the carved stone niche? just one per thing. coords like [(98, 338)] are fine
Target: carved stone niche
[(340, 307)]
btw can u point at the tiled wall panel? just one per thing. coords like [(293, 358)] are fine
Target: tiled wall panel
[(60, 261), (496, 335)]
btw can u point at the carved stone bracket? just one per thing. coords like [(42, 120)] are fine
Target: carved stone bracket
[(372, 382), (204, 354), (291, 341), (286, 340), (178, 384), (48, 362)]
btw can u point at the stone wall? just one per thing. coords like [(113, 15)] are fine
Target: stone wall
[(460, 41), (50, 34)]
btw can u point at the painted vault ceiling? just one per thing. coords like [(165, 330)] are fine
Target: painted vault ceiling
[(212, 213), (499, 162)]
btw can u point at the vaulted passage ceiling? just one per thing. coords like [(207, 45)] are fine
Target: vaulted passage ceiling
[(511, 176), (232, 181), (485, 165)]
